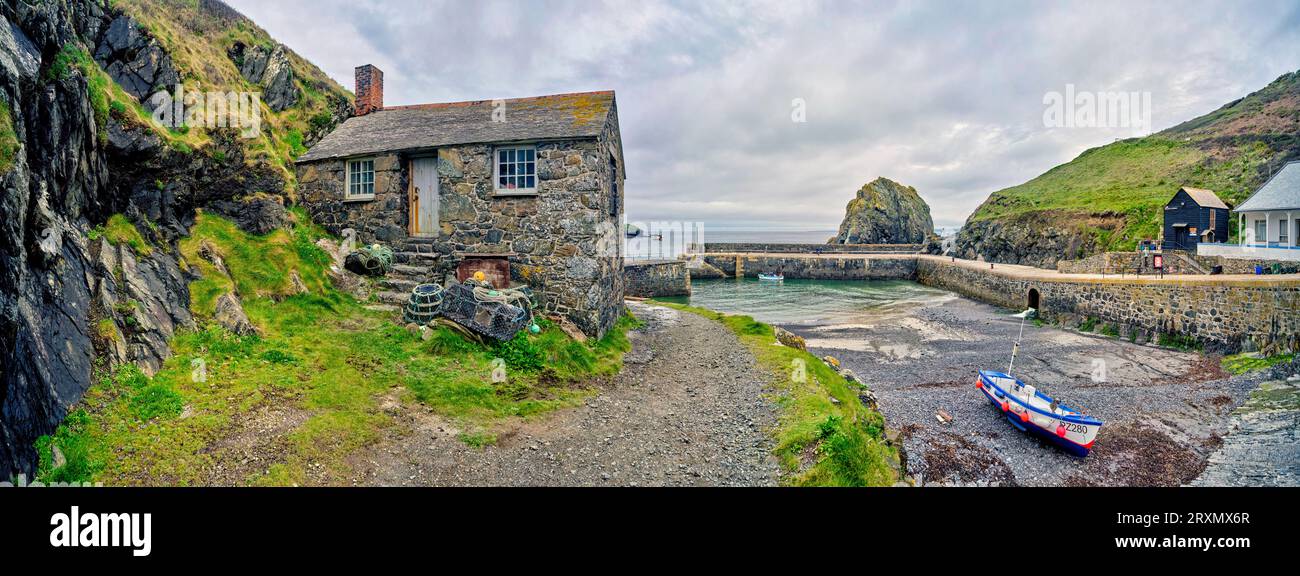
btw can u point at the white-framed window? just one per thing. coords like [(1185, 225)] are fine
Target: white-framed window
[(1282, 236), (360, 179), (515, 170), (1261, 231)]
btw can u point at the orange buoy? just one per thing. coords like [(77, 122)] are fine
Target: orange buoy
[(1024, 416), (1004, 406), (1060, 430)]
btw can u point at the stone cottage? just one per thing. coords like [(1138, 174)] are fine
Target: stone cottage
[(535, 184)]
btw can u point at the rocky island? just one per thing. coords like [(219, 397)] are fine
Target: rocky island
[(885, 212)]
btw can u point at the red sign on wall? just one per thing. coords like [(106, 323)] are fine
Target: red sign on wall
[(1159, 261)]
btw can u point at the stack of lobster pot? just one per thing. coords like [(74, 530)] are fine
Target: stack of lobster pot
[(424, 304), (496, 320)]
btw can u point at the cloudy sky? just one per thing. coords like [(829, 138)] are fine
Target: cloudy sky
[(945, 96)]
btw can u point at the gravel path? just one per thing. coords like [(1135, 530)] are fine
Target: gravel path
[(1165, 411), (687, 410)]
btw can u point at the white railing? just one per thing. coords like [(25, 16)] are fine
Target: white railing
[(1260, 251)]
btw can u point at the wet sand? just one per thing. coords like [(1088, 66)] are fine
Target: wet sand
[(1165, 412)]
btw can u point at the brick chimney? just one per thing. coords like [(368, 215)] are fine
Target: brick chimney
[(370, 89)]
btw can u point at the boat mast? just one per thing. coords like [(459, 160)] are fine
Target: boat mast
[(1016, 346)]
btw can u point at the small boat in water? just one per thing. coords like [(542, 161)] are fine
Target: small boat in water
[(775, 277), (1029, 410)]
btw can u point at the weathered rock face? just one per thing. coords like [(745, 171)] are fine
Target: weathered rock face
[(268, 67), (65, 298), (256, 214), (1034, 239), (885, 212), (134, 60)]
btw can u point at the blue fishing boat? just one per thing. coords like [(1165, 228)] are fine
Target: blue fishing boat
[(1031, 411)]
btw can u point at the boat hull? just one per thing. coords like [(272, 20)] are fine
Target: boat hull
[(1072, 432)]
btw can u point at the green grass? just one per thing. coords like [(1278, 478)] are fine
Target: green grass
[(1247, 362), (198, 40), (1115, 193), (318, 373), (1088, 325), (844, 440), (1109, 330), (1183, 342), (8, 139), (1129, 180), (118, 230)]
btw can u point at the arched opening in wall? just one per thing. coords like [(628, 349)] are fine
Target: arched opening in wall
[(1033, 299)]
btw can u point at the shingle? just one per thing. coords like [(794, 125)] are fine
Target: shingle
[(580, 115), (1205, 198), (1281, 192)]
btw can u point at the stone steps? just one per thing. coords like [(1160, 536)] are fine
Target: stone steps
[(415, 258), (398, 299), (411, 271), (398, 283)]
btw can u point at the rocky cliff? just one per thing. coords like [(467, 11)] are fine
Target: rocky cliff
[(96, 196), (885, 212), (1111, 197)]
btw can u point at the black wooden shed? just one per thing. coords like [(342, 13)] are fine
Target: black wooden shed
[(1192, 216)]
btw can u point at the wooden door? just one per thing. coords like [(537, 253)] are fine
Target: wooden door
[(424, 186)]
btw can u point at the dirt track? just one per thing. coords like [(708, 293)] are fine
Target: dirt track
[(686, 410)]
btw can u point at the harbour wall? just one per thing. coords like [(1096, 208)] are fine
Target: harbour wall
[(1223, 313), (838, 267), (648, 279), (789, 248), (1175, 262)]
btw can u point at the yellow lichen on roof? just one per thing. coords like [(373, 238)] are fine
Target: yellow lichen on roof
[(586, 107)]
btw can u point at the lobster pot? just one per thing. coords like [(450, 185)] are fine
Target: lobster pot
[(495, 320), (424, 304), (373, 260)]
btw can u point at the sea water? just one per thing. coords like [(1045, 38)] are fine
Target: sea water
[(822, 302)]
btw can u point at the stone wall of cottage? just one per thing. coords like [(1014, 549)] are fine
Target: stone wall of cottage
[(384, 219), (563, 241)]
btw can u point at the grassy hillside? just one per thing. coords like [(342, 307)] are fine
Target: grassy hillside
[(322, 379), (1229, 151), (198, 34)]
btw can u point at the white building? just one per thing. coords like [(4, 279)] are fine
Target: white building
[(1269, 221)]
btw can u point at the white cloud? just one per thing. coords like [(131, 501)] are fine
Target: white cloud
[(943, 96)]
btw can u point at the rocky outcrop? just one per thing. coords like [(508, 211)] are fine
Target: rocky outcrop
[(231, 316), (1033, 239), (67, 295), (885, 212), (269, 68), (136, 61), (58, 176), (257, 214), (138, 303)]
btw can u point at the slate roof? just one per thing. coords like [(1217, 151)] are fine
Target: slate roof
[(1205, 198), (1281, 192), (559, 116)]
